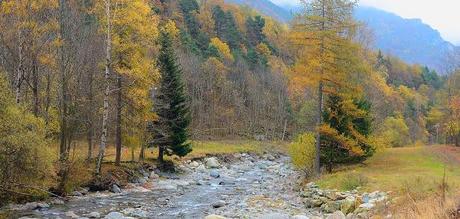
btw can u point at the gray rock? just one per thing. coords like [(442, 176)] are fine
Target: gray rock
[(166, 185), (77, 193), (213, 216), (56, 201), (348, 205), (153, 175), (115, 215), (219, 204), (214, 174), (194, 164), (115, 189), (142, 181), (41, 205), (336, 215), (93, 215), (212, 162), (201, 168), (274, 216), (367, 206), (313, 203), (330, 207), (135, 212), (300, 217), (71, 214)]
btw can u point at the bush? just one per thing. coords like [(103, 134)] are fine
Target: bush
[(394, 132), (25, 161), (352, 181), (302, 152)]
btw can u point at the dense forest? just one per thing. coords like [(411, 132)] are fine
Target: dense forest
[(86, 75)]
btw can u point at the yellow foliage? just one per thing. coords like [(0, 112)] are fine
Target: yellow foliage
[(303, 151), (223, 49), (171, 28), (263, 49)]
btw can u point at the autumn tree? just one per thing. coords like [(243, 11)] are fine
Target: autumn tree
[(327, 55), (131, 31)]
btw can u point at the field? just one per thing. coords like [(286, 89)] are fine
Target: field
[(424, 181), (395, 169)]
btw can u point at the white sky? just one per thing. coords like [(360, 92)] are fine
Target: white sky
[(443, 15)]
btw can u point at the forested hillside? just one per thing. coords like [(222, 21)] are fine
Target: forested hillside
[(81, 81)]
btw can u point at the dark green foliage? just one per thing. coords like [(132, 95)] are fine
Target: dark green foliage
[(169, 131), (431, 78), (198, 38), (226, 28), (255, 59), (352, 123), (255, 27), (213, 52)]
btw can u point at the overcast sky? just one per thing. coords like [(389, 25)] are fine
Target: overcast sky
[(443, 15)]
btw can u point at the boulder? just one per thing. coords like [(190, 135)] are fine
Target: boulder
[(165, 185), (274, 216), (142, 181), (201, 168), (135, 212), (219, 204), (93, 215), (330, 207), (71, 214), (77, 193), (194, 164), (153, 175), (115, 189), (214, 174), (213, 216), (212, 162), (312, 202), (300, 217), (348, 205), (337, 215), (114, 215)]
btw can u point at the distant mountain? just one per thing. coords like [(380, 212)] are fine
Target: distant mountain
[(267, 8), (410, 39)]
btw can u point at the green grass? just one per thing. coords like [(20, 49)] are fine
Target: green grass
[(397, 170), (200, 149)]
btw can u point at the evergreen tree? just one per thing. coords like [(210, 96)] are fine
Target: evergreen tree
[(347, 126), (255, 30), (169, 131), (226, 27)]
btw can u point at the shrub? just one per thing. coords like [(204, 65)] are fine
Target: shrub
[(352, 181), (394, 132), (25, 161), (302, 152)]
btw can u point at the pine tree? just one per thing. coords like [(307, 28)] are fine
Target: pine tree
[(345, 132), (169, 131)]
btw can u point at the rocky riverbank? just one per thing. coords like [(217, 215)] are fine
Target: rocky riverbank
[(234, 186)]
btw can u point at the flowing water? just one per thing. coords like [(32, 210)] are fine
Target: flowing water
[(246, 188)]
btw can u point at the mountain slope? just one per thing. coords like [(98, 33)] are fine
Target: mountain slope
[(267, 8), (410, 39)]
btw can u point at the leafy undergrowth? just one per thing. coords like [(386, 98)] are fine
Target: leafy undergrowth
[(419, 178)]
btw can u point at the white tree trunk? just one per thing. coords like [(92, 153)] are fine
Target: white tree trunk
[(105, 113)]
